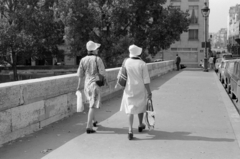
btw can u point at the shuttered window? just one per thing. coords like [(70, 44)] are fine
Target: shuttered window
[(193, 34)]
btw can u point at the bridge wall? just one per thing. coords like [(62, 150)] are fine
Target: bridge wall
[(29, 105)]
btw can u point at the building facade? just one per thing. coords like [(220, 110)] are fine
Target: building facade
[(189, 47), (233, 36), (219, 39)]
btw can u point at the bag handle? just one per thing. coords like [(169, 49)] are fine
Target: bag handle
[(150, 107)]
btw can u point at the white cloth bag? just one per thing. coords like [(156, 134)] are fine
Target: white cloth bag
[(150, 115), (80, 105)]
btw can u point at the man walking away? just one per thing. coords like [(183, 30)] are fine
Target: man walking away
[(178, 60)]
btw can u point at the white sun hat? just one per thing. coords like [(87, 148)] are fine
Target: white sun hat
[(91, 46), (134, 51)]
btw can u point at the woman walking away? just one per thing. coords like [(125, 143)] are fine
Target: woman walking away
[(89, 66), (137, 89)]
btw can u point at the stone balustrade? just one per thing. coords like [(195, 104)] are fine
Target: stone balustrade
[(29, 105)]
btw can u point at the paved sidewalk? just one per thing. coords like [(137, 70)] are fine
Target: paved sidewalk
[(195, 120)]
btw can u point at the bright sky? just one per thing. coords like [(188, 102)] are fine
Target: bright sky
[(219, 10)]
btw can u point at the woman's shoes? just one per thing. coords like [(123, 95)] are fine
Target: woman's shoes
[(141, 128), (90, 131), (95, 123), (130, 135)]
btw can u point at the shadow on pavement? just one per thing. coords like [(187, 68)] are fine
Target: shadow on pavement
[(162, 135), (194, 69), (157, 82)]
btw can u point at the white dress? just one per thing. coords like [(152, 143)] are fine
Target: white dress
[(134, 99)]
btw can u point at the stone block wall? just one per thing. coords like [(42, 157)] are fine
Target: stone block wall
[(28, 106)]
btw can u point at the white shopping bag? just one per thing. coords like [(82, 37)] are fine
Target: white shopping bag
[(80, 105), (150, 115)]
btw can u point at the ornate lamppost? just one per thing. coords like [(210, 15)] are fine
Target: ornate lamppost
[(205, 12)]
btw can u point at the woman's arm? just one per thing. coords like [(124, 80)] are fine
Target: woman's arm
[(146, 80), (79, 83), (147, 86), (80, 74)]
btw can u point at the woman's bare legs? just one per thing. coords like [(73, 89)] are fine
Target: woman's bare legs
[(141, 125), (140, 117), (94, 121), (91, 116), (130, 122)]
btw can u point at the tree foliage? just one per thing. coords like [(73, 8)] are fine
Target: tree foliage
[(34, 28), (118, 23), (28, 29)]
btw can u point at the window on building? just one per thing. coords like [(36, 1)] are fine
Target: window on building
[(186, 49), (180, 49), (194, 49), (193, 0), (193, 34), (174, 49), (176, 7), (175, 0), (193, 11)]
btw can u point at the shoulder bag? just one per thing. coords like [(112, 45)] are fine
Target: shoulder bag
[(100, 79), (122, 79)]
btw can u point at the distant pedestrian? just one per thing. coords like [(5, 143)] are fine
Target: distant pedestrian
[(178, 61), (210, 61), (89, 66), (214, 62), (137, 89)]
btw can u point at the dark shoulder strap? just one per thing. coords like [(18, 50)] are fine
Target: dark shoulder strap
[(136, 58), (96, 64)]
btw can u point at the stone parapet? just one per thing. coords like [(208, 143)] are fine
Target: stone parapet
[(29, 105)]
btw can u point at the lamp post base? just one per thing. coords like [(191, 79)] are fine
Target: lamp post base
[(205, 69)]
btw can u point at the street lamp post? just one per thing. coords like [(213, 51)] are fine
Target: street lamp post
[(205, 12)]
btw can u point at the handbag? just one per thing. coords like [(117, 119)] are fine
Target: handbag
[(80, 105), (150, 115), (122, 78), (100, 79)]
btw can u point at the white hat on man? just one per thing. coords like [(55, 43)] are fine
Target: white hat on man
[(91, 46), (134, 51)]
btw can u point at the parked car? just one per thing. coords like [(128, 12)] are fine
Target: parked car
[(217, 63), (235, 81), (235, 84), (221, 70), (227, 74), (227, 56)]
